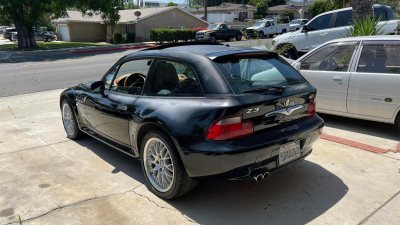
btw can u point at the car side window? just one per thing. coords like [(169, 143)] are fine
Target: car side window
[(320, 23), (344, 19), (272, 23), (131, 77), (380, 58), (171, 78), (224, 27), (109, 78), (267, 24), (330, 58)]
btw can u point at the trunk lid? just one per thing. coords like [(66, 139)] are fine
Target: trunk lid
[(269, 109)]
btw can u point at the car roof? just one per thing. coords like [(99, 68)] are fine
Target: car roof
[(367, 38), (204, 50), (350, 8)]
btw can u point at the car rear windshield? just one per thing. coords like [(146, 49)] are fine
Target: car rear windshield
[(254, 71)]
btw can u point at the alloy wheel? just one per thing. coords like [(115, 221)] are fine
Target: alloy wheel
[(68, 119), (158, 164)]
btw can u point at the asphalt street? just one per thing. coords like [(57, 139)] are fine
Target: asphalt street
[(34, 72)]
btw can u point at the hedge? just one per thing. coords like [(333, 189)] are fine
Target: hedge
[(128, 37), (172, 35), (117, 38)]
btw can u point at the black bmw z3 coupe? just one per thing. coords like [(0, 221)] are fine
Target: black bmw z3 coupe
[(196, 111)]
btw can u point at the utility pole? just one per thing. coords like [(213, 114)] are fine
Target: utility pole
[(205, 9)]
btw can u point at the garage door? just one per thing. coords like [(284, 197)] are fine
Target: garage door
[(64, 33)]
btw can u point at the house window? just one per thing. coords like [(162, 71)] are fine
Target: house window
[(170, 27), (181, 27)]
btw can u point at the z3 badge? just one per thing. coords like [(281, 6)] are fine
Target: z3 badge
[(252, 110)]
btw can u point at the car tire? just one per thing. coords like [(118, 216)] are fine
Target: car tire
[(284, 31), (213, 39), (261, 35), (69, 121), (238, 37), (154, 160), (48, 39)]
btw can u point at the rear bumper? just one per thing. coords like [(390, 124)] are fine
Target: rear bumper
[(236, 159)]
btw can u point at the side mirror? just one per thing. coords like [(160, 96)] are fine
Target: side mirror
[(305, 29), (297, 66), (98, 87)]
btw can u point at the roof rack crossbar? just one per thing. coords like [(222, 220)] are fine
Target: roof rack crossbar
[(177, 44)]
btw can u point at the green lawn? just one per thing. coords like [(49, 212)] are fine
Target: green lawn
[(50, 45)]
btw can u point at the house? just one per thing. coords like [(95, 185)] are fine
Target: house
[(295, 7), (226, 12), (82, 28)]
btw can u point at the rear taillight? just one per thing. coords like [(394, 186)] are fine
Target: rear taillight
[(15, 34), (229, 128), (311, 109), (6, 31)]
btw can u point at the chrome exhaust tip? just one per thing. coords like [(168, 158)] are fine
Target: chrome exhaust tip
[(266, 175), (258, 177)]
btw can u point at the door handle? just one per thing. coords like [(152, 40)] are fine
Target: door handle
[(324, 34), (123, 108), (337, 78)]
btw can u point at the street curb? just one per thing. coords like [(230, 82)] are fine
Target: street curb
[(88, 48), (359, 145), (113, 49)]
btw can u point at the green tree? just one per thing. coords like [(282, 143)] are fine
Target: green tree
[(26, 14), (288, 13), (276, 2), (195, 3), (171, 4), (262, 8), (321, 7)]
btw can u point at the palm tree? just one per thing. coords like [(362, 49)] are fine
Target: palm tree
[(362, 8)]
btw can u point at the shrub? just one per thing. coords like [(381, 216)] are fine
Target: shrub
[(320, 7), (258, 17), (288, 13), (172, 35), (367, 27), (117, 38), (131, 37)]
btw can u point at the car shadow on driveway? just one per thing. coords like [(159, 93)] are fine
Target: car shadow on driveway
[(296, 195), (376, 129)]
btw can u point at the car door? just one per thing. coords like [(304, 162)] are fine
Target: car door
[(327, 69), (342, 22), (317, 33), (374, 90), (224, 32), (109, 114)]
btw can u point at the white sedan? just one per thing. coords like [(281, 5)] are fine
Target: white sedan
[(356, 77)]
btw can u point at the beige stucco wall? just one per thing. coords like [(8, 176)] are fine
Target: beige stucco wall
[(87, 32), (174, 17), (121, 28)]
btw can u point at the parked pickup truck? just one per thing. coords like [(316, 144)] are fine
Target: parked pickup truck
[(329, 26), (267, 27), (219, 31)]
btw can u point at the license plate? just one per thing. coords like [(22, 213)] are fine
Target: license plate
[(289, 152)]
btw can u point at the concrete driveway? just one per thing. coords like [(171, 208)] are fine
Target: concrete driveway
[(49, 179)]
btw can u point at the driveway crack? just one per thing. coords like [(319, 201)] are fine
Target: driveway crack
[(76, 203), (379, 208), (155, 203)]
